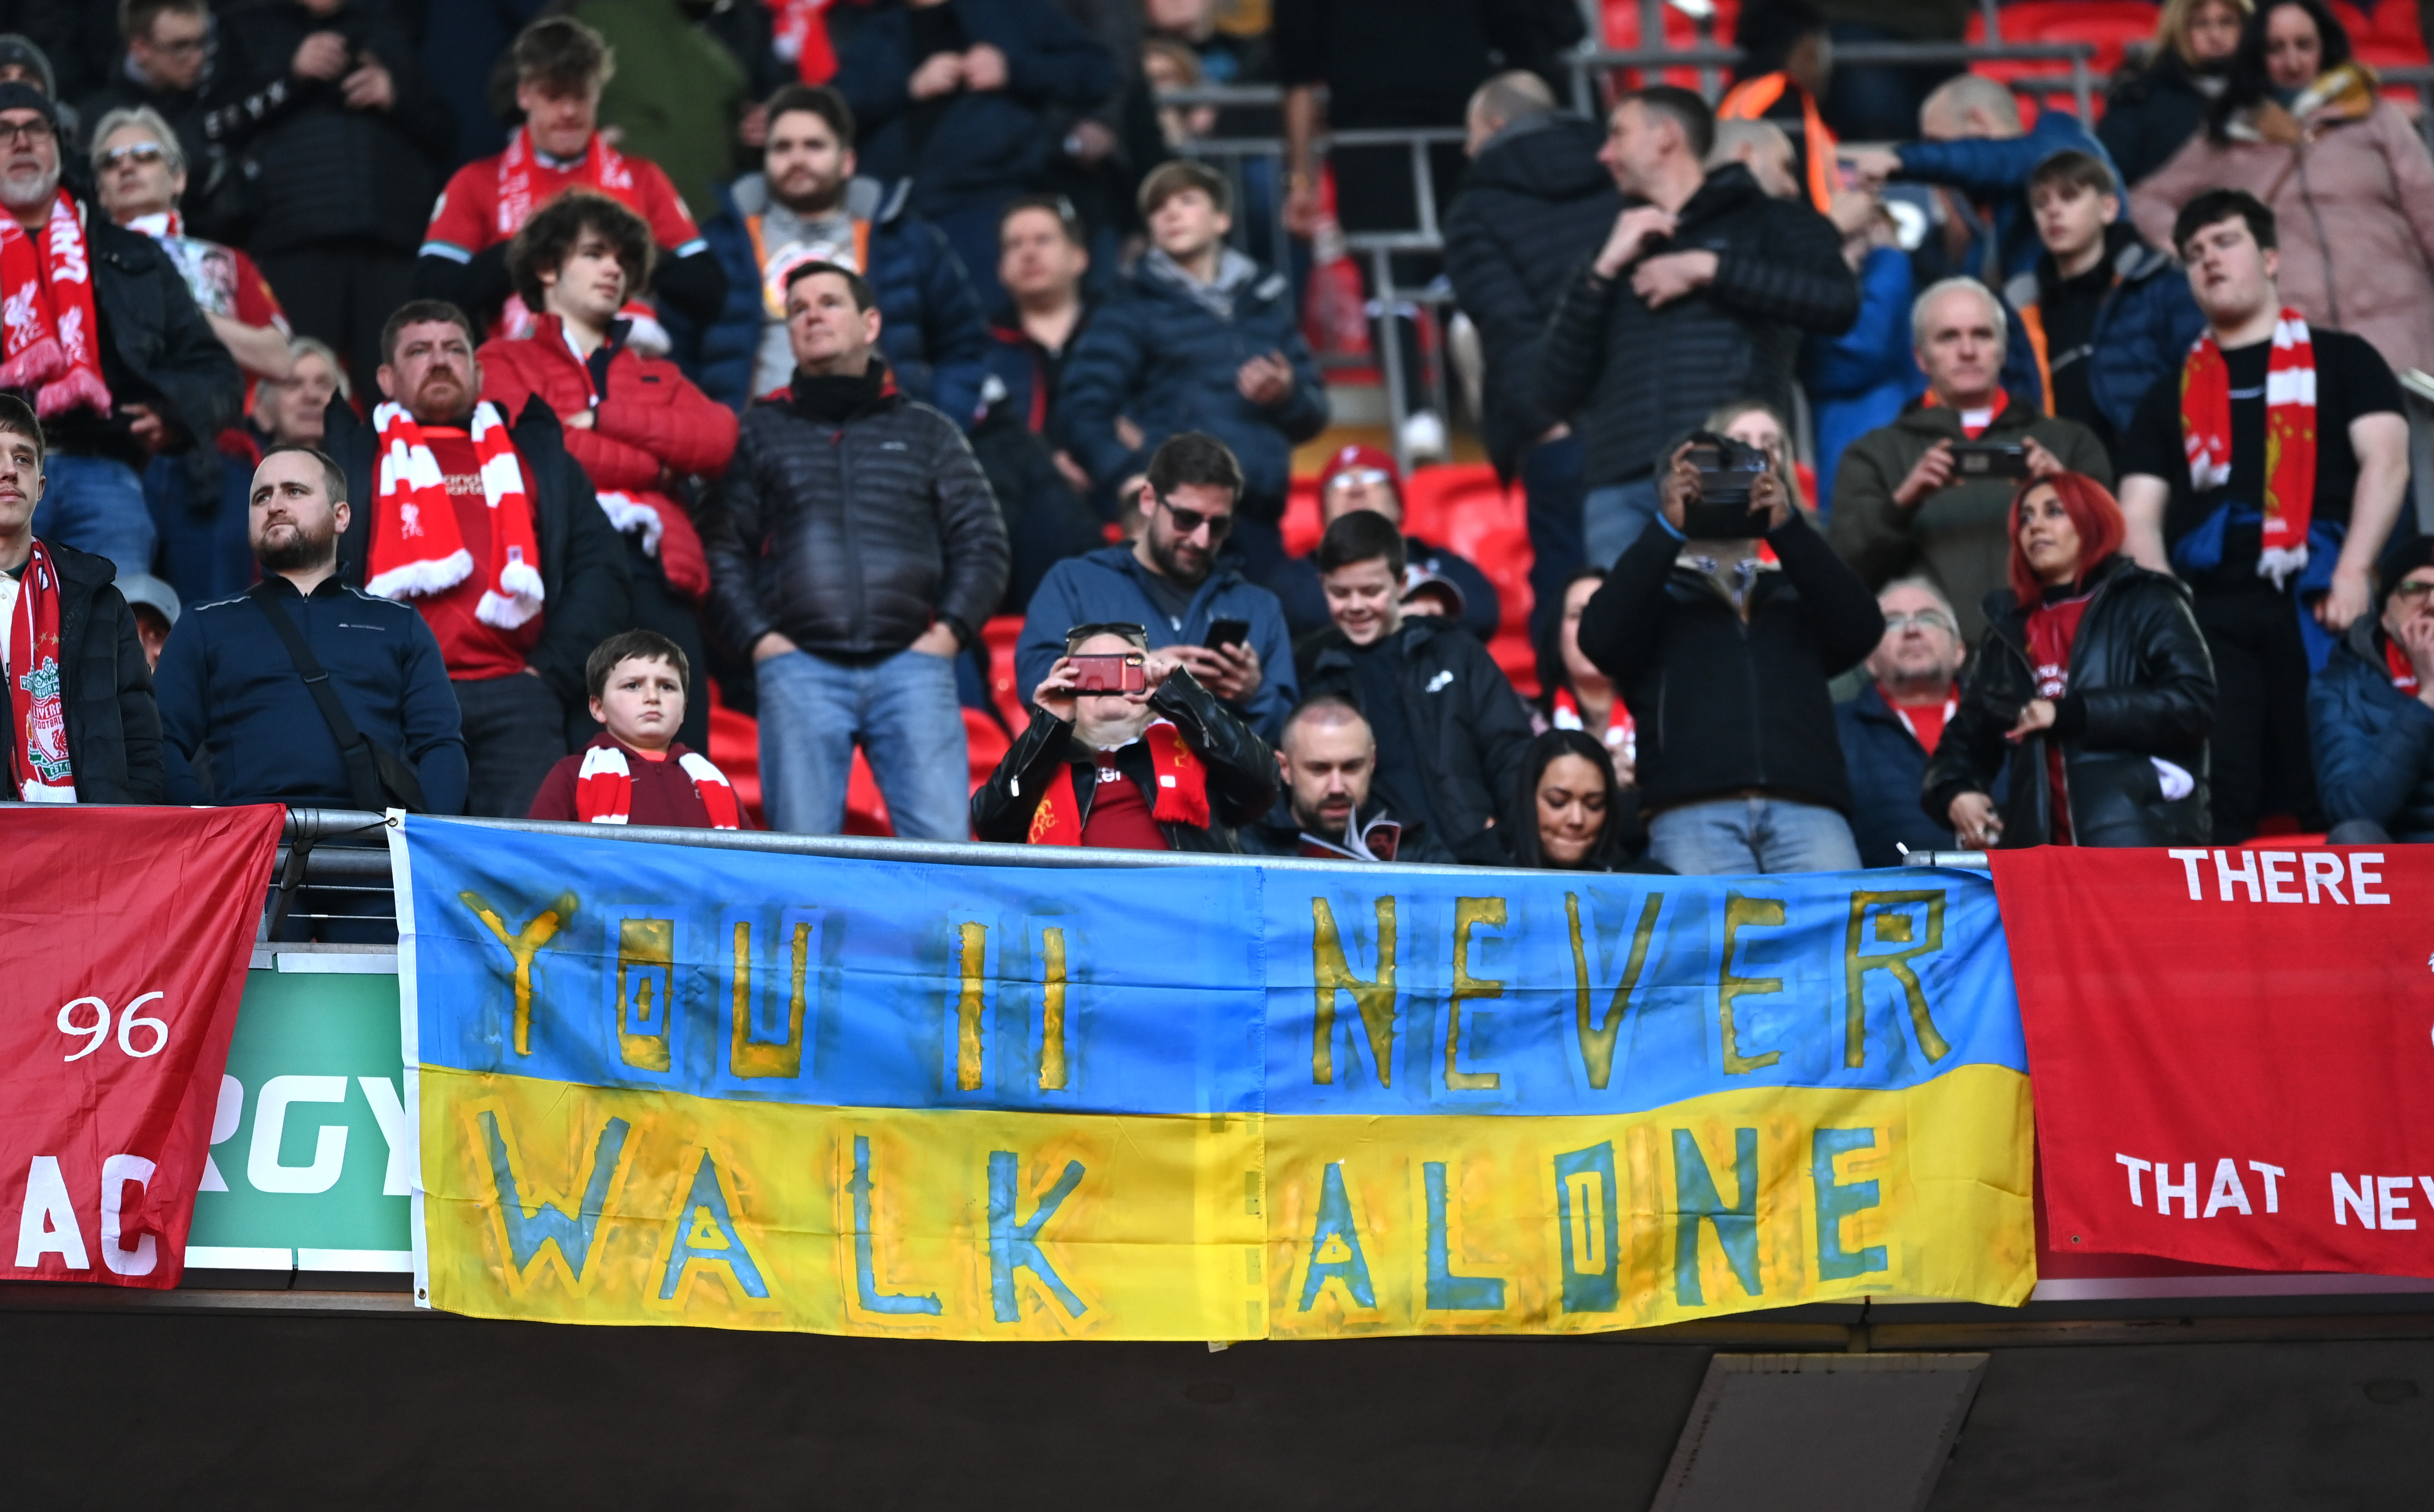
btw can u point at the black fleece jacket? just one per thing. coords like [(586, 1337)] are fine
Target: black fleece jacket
[(1632, 379), (1726, 705)]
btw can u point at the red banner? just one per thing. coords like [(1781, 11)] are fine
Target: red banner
[(2231, 1052), (127, 932)]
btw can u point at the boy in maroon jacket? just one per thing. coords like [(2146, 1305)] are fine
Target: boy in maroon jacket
[(635, 771)]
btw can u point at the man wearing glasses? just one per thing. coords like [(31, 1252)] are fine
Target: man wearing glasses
[(1230, 632), (2371, 711), (138, 172), (1129, 753), (112, 351), (1892, 728)]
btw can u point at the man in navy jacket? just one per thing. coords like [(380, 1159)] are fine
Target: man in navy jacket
[(239, 725), (1173, 584), (2371, 711), (1892, 728), (1197, 338)]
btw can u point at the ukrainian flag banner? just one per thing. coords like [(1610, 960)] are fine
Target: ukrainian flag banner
[(663, 1084)]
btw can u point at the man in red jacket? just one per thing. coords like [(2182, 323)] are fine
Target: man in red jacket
[(636, 425)]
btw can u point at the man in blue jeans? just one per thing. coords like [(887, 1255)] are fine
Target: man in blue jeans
[(854, 548)]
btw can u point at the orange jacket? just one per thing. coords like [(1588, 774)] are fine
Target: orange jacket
[(1752, 98)]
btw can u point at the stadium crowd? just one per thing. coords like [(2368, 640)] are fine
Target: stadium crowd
[(401, 411)]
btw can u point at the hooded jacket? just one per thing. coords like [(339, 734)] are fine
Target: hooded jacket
[(1163, 350), (2375, 744), (1726, 705), (1633, 380), (930, 327), (1961, 533), (1470, 729), (1532, 205), (587, 596), (2355, 213), (1241, 771), (851, 536), (2140, 672), (105, 687), (2144, 328)]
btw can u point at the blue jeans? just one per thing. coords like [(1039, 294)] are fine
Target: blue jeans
[(97, 504), (1738, 836), (1613, 517), (902, 712), (1550, 482)]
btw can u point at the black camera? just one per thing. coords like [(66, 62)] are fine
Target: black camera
[(1728, 473)]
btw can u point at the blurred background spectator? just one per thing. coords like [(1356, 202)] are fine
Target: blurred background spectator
[(2149, 113)]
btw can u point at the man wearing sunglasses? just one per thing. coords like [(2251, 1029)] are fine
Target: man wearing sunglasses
[(1892, 728), (132, 369), (138, 172), (2371, 711), (1170, 580)]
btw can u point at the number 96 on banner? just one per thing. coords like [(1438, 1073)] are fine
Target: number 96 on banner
[(96, 1014)]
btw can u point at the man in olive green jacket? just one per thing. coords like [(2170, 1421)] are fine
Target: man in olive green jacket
[(1902, 504)]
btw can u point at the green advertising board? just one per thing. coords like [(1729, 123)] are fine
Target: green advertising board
[(311, 1140)]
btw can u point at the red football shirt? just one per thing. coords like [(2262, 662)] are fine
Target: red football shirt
[(2052, 627), (467, 219), (468, 648), (1119, 817)]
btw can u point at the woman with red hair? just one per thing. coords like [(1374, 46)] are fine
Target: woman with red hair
[(2092, 684)]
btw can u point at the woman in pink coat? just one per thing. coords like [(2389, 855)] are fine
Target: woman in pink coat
[(2349, 180)]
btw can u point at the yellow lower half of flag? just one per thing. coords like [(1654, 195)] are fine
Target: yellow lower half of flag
[(576, 1204)]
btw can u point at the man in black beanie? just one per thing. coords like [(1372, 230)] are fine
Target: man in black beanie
[(2371, 711)]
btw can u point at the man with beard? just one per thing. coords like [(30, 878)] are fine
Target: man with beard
[(806, 205), (241, 726), (81, 726), (111, 352), (492, 530), (1169, 582)]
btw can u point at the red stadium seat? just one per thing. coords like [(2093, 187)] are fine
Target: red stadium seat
[(2113, 25), (984, 746), (998, 635), (735, 749), (865, 811), (1435, 498), (1302, 524), (1681, 33)]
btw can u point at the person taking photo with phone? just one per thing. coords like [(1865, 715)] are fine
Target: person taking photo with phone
[(1926, 495), (1127, 752), (1725, 657)]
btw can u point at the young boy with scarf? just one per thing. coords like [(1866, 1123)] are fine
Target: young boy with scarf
[(82, 727), (635, 771)]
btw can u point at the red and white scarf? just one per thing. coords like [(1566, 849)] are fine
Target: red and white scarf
[(1622, 732), (604, 788), (601, 169), (417, 548), (1182, 791), (47, 330), (2289, 501), (38, 745)]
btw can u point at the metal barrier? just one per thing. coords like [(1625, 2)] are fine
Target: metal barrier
[(325, 850), (2078, 82)]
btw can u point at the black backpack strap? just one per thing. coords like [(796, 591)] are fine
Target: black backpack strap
[(365, 770)]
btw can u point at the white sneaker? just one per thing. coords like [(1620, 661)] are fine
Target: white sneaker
[(1424, 437)]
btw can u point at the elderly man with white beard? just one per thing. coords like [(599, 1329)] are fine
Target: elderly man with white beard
[(103, 340)]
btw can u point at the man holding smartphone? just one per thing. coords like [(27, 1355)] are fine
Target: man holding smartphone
[(1930, 492), (1172, 581), (1129, 753)]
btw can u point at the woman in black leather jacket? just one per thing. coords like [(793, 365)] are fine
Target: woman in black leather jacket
[(2093, 683)]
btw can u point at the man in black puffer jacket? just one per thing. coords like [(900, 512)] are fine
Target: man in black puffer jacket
[(1724, 662), (1699, 297), (854, 549), (1535, 202), (91, 733)]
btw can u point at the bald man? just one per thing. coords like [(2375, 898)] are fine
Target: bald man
[(1326, 757)]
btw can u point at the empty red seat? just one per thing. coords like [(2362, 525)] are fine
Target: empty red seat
[(735, 749), (1439, 500), (999, 636), (1302, 525), (984, 746)]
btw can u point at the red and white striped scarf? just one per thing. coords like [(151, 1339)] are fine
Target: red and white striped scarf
[(2290, 502), (48, 333), (1182, 791), (604, 788), (39, 771), (417, 548)]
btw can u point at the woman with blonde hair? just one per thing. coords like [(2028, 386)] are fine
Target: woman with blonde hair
[(2153, 110)]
